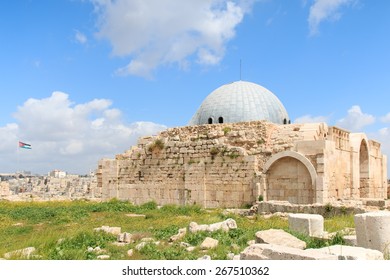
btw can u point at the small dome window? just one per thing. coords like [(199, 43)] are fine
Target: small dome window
[(210, 120), (220, 120)]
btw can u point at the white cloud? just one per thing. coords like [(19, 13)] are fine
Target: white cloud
[(323, 10), (161, 32), (80, 37), (311, 119), (355, 120), (67, 136), (386, 119)]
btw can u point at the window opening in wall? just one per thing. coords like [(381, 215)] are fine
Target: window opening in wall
[(220, 120), (285, 121), (210, 120), (289, 121)]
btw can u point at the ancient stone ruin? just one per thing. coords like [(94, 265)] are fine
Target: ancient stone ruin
[(230, 165), (240, 148)]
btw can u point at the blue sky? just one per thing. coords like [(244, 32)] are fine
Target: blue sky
[(82, 80)]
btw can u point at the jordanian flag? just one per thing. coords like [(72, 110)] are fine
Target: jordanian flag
[(24, 145)]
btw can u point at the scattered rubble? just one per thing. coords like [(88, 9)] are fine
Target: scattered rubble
[(279, 237), (225, 226)]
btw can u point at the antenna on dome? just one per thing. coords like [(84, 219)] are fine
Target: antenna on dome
[(240, 69)]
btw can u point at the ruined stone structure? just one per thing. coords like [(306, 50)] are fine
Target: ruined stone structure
[(236, 163)]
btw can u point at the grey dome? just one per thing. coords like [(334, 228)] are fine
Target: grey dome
[(239, 102)]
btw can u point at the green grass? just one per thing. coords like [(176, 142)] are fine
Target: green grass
[(64, 230)]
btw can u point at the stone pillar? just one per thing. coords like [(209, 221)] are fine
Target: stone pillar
[(373, 231), (310, 224)]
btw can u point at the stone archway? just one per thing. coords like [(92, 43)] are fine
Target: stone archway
[(290, 177), (364, 170)]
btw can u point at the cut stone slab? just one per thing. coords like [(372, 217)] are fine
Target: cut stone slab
[(103, 257), (140, 246), (136, 216), (182, 232), (373, 230), (108, 229), (279, 237), (125, 237), (209, 243), (310, 224), (22, 253), (350, 240), (350, 253), (277, 252), (225, 226)]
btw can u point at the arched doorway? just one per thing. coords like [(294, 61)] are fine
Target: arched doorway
[(290, 177), (364, 170)]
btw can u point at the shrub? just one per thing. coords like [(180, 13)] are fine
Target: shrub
[(226, 130), (214, 151), (151, 205), (156, 146), (260, 141)]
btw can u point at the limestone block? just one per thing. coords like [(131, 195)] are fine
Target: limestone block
[(310, 224), (209, 243), (182, 232), (279, 237), (103, 257), (350, 240), (141, 245), (22, 253), (112, 230), (350, 252), (373, 231), (278, 252), (225, 225)]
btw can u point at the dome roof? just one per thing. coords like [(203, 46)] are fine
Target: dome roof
[(239, 102)]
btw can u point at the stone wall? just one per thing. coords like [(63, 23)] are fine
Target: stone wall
[(230, 165)]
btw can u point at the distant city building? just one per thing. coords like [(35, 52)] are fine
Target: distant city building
[(57, 174)]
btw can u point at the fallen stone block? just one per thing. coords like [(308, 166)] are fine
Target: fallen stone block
[(225, 226), (25, 253), (190, 248), (373, 231), (136, 215), (350, 253), (279, 237), (182, 232), (140, 246), (103, 257), (111, 230), (310, 224), (124, 237), (350, 240), (209, 243), (277, 252)]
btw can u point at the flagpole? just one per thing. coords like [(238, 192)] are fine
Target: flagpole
[(17, 158)]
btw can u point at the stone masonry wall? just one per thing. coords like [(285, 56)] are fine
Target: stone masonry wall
[(210, 165), (222, 165)]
